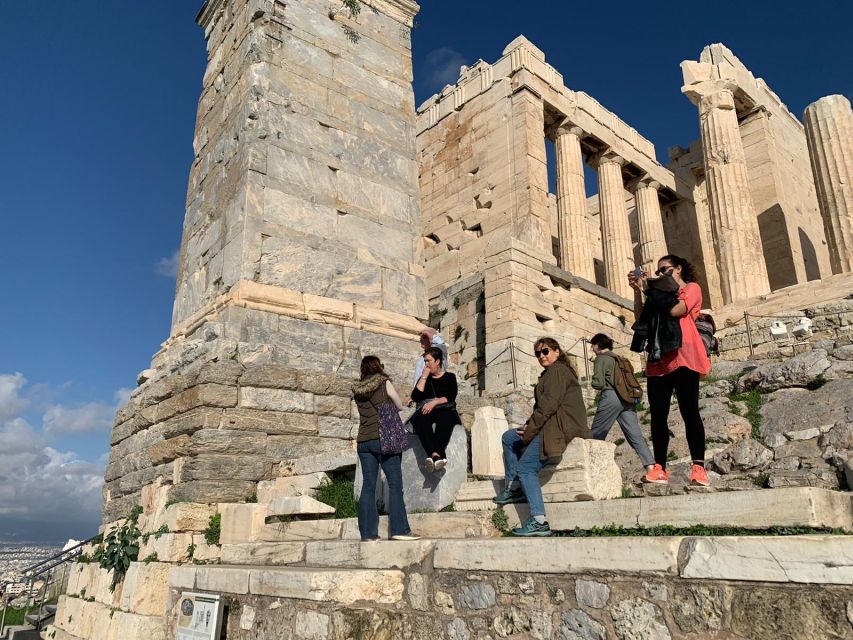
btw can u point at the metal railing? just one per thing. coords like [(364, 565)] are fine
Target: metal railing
[(53, 585)]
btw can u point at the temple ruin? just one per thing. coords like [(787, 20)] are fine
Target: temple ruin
[(740, 203)]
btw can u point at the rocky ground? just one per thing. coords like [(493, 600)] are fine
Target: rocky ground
[(774, 422)]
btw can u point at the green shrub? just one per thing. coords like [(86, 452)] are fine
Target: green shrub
[(753, 400), (500, 520), (339, 493), (214, 529), (120, 547)]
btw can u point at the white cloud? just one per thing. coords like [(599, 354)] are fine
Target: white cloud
[(442, 66), (46, 493), (11, 403), (168, 267), (121, 396), (94, 416)]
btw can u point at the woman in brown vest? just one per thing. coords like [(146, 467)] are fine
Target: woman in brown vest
[(373, 389)]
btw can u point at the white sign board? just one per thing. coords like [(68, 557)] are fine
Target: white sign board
[(199, 616)]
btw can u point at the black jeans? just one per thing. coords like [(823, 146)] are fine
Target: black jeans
[(685, 383), (434, 442)]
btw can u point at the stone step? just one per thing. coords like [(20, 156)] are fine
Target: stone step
[(349, 572), (822, 559), (331, 553), (342, 586), (244, 523), (298, 505), (759, 509), (427, 525)]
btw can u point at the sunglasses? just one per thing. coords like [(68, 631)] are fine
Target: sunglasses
[(544, 352), (660, 272)]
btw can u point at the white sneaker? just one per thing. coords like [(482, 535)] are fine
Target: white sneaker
[(429, 465), (440, 464), (405, 537)]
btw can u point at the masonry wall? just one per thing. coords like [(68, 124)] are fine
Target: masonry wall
[(301, 253), (304, 159)]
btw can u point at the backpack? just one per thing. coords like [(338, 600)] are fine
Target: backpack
[(624, 381), (706, 332)]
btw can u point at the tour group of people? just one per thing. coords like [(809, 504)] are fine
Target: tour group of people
[(667, 307)]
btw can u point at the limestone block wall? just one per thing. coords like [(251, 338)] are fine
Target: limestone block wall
[(301, 252), (304, 158)]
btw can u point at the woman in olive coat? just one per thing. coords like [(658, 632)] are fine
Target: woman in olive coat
[(559, 416)]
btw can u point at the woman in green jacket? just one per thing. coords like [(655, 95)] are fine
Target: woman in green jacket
[(558, 417)]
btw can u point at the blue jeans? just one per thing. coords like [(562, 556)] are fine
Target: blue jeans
[(371, 457), (522, 463)]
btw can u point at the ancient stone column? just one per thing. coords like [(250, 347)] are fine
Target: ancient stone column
[(829, 133), (615, 231), (575, 249), (740, 258), (649, 222)]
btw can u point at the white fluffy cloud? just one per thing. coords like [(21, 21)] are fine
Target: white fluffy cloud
[(442, 66), (44, 492), (168, 267), (93, 416), (11, 402)]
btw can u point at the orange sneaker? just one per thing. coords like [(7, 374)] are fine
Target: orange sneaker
[(699, 476), (657, 475)]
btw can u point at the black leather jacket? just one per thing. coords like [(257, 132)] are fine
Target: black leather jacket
[(657, 332)]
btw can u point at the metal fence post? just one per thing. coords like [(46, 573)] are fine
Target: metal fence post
[(748, 334), (512, 362), (586, 362)]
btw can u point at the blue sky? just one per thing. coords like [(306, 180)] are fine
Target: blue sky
[(97, 121)]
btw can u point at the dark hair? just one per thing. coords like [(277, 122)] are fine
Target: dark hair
[(553, 344), (371, 365), (706, 317), (688, 271), (436, 354), (601, 341)]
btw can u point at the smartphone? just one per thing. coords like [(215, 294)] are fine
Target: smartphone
[(638, 272)]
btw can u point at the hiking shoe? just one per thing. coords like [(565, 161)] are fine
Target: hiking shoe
[(699, 476), (440, 464), (429, 465), (510, 496), (406, 537), (532, 528), (657, 475)]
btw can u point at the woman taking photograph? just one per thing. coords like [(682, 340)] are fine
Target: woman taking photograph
[(558, 417), (370, 392), (435, 395), (678, 371)]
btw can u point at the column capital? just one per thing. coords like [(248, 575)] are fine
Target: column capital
[(643, 182), (567, 127), (607, 157), (711, 94)]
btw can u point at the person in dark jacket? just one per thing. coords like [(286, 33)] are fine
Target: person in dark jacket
[(373, 389), (656, 332), (558, 417), (435, 394)]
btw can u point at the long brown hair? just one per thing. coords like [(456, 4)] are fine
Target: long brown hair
[(371, 365), (554, 345)]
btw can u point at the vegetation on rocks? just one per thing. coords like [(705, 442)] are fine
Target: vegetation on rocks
[(214, 529), (339, 493), (120, 547)]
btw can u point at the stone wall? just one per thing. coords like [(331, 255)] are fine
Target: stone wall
[(755, 588), (301, 252)]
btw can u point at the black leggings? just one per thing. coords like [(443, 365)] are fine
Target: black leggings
[(436, 442), (685, 383)]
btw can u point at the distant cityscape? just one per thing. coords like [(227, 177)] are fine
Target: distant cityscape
[(17, 556)]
